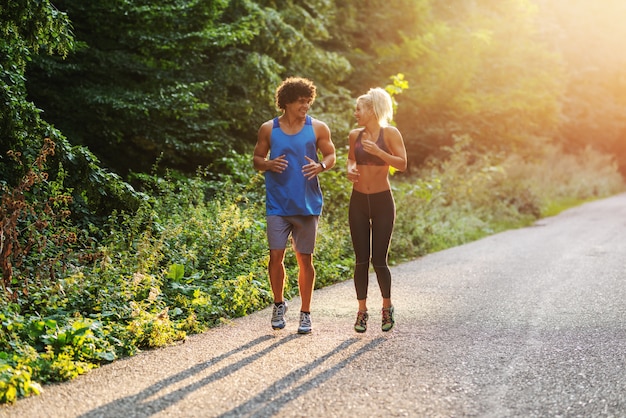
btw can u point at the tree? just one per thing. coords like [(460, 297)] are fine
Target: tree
[(474, 68), (29, 29), (589, 36), (184, 82), (491, 78), (25, 28)]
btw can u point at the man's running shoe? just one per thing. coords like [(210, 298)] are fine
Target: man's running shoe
[(388, 319), (278, 315), (305, 323), (361, 321)]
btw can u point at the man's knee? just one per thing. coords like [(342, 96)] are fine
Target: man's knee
[(277, 256), (304, 259)]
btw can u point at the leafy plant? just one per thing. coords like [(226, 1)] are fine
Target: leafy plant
[(16, 381), (32, 226)]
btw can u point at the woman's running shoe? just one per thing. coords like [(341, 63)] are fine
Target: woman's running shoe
[(388, 319), (361, 321)]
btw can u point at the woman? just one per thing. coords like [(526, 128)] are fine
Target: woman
[(373, 149)]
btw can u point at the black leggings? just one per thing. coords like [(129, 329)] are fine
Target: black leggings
[(371, 218)]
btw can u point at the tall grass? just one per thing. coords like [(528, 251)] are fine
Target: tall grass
[(469, 196)]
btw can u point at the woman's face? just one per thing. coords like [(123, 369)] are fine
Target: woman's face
[(362, 113)]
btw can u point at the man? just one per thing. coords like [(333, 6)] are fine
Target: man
[(293, 195)]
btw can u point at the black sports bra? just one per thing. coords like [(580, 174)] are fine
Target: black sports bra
[(363, 157)]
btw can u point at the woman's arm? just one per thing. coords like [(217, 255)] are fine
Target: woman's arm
[(397, 155), (353, 171)]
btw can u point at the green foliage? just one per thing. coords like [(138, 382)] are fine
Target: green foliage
[(588, 37), (29, 29), (241, 295), (153, 329), (16, 381), (468, 67), (471, 195), (186, 82), (481, 85), (25, 28), (40, 239), (36, 349), (35, 239)]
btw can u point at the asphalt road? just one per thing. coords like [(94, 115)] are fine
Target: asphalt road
[(525, 323)]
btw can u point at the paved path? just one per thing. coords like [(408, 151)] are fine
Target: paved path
[(529, 322)]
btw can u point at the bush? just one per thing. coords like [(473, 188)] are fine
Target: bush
[(470, 195)]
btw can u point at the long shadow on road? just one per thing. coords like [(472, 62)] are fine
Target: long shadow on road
[(135, 405), (147, 402), (271, 400)]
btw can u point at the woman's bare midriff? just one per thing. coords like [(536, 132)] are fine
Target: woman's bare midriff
[(372, 179)]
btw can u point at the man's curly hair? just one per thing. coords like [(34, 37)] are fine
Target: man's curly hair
[(292, 89)]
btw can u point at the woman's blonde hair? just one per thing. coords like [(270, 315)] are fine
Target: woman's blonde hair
[(380, 102)]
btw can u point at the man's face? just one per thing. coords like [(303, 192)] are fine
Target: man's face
[(301, 106)]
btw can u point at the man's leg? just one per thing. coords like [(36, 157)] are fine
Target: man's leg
[(276, 270), (306, 282), (306, 279), (277, 282)]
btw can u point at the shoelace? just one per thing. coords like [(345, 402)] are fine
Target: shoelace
[(279, 312), (387, 317)]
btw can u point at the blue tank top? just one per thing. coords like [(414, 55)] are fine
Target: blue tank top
[(363, 157), (289, 193)]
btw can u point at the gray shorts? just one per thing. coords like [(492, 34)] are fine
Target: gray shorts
[(303, 230)]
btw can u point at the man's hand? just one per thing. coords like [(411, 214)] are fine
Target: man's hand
[(311, 169), (278, 164)]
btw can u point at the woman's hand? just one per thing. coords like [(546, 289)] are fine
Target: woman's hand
[(370, 147), (353, 174)]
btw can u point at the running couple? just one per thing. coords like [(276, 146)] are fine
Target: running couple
[(294, 198)]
